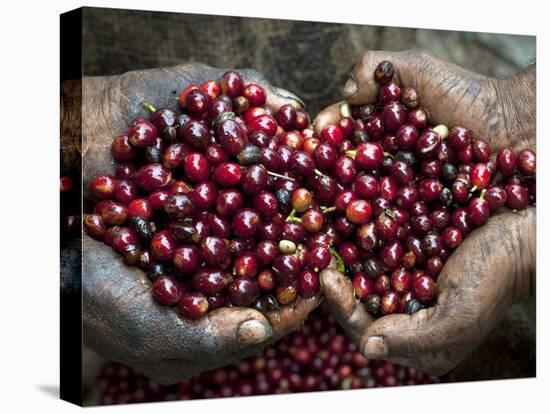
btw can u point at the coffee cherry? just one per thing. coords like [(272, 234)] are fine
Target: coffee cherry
[(142, 133), (166, 290), (103, 186), (517, 197), (423, 289), (193, 305), (243, 292), (308, 283), (358, 211), (526, 162)]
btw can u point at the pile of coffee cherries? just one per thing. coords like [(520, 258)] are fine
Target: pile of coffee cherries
[(230, 204), (318, 357)]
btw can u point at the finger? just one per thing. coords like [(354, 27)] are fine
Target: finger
[(236, 328), (361, 87), (328, 116), (346, 309), (289, 318), (277, 97)]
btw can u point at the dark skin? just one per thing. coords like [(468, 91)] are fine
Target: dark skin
[(495, 265), (121, 320)]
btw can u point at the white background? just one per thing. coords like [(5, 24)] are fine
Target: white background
[(29, 145)]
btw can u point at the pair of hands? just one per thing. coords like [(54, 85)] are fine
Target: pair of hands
[(491, 270)]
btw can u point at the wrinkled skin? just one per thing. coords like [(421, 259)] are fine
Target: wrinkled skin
[(121, 319), (494, 267)]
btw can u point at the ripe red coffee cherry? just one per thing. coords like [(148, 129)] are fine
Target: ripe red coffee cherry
[(227, 174), (389, 303), (193, 305), (186, 258), (308, 283), (286, 117), (452, 237), (506, 161), (496, 197), (517, 197), (526, 162), (197, 102), (265, 123), (246, 223), (363, 286), (94, 226), (384, 72), (142, 133), (359, 211), (122, 150), (332, 135), (211, 88), (214, 250), (255, 94), (429, 189), (459, 138), (140, 207), (103, 186), (480, 176), (246, 265), (369, 155), (478, 211), (401, 280), (166, 290), (231, 84), (196, 167), (393, 116), (151, 177), (243, 292), (389, 92), (163, 246), (423, 289)]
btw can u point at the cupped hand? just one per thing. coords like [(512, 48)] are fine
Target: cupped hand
[(121, 320), (495, 266)]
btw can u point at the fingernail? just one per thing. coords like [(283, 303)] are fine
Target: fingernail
[(375, 347), (253, 332), (350, 88)]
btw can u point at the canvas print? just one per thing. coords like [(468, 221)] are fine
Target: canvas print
[(253, 206)]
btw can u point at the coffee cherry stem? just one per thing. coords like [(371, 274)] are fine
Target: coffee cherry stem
[(149, 107), (482, 195), (339, 260), (284, 177), (328, 210), (318, 173), (387, 154), (291, 215), (351, 153), (473, 189)]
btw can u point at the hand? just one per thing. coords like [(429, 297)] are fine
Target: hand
[(121, 320), (495, 266)]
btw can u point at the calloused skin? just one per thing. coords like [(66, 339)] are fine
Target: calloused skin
[(495, 265), (121, 320)]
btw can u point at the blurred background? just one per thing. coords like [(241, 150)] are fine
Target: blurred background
[(310, 59), (313, 61)]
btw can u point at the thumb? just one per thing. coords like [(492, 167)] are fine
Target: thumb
[(236, 328), (361, 87), (426, 340)]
